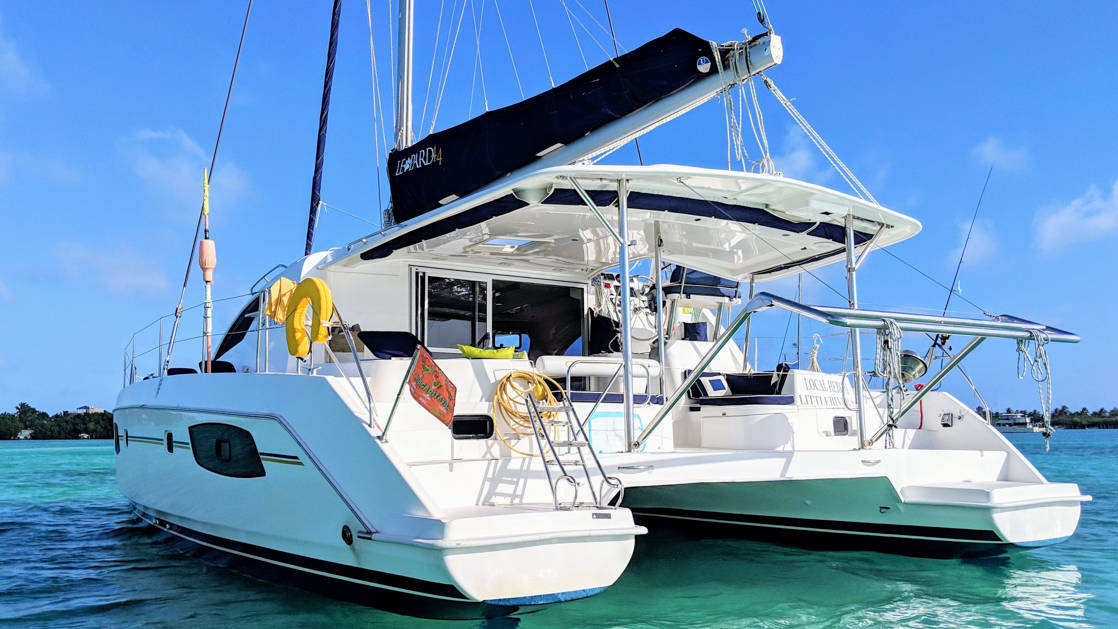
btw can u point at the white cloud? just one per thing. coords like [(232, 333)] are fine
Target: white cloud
[(119, 270), (171, 162), (993, 152), (982, 245), (16, 76), (1092, 216), (800, 159)]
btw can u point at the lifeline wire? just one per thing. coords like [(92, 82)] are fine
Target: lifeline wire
[(213, 160)]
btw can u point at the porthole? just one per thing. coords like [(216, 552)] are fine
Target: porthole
[(169, 441), (125, 437), (116, 437)]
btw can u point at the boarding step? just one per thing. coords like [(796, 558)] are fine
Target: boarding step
[(548, 408), (991, 493), (573, 462), (569, 444)]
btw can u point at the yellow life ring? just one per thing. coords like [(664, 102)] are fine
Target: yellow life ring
[(315, 294)]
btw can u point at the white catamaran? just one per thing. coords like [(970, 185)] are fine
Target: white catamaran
[(487, 392)]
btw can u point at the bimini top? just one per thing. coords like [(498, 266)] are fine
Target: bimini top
[(731, 224)]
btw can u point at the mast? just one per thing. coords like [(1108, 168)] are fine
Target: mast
[(404, 75), (323, 115)]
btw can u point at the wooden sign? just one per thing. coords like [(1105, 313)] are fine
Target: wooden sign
[(430, 387)]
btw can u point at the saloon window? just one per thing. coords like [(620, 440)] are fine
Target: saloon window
[(539, 318), (453, 311)]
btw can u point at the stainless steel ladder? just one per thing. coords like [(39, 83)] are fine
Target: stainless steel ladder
[(577, 440)]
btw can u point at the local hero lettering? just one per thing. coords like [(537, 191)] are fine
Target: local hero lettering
[(819, 392)]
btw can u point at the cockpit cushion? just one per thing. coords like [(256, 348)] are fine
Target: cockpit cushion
[(389, 344)]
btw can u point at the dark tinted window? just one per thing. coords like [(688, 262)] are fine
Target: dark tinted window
[(540, 318), (456, 311), (169, 442), (226, 450), (240, 327), (842, 426)]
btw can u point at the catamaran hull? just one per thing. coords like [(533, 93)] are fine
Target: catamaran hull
[(853, 513), (325, 502)]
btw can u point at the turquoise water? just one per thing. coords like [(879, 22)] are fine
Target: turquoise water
[(70, 556)]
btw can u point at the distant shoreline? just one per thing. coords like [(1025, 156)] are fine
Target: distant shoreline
[(63, 439)]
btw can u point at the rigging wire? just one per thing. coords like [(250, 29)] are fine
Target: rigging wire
[(934, 280), (516, 74), (766, 165), (762, 14), (616, 53), (213, 160), (854, 183), (479, 67), (392, 55), (966, 241), (378, 109), (600, 25), (539, 34), (762, 239), (325, 205), (588, 32), (434, 55), (449, 59), (843, 171), (575, 34)]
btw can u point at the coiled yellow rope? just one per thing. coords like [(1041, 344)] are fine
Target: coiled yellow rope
[(509, 403)]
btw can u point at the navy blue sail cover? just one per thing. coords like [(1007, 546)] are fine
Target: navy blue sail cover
[(454, 162)]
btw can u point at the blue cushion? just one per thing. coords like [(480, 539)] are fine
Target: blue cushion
[(690, 282), (698, 331), (744, 400), (714, 385), (390, 344), (613, 398)]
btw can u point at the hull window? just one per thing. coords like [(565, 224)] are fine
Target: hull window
[(116, 438), (169, 441), (841, 426), (226, 450), (471, 427)]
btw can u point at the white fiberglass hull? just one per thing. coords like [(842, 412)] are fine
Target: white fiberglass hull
[(322, 498), (851, 499)]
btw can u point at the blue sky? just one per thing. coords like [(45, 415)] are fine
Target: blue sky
[(108, 113)]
